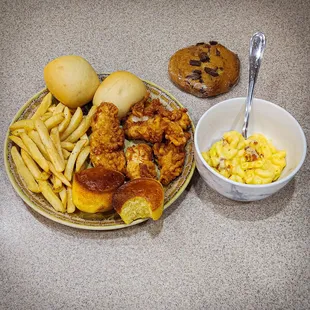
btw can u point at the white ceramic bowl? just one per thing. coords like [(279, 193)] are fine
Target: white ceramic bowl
[(267, 118)]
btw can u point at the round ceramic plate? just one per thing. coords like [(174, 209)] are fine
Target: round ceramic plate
[(99, 221)]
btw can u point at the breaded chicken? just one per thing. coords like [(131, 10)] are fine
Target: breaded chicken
[(140, 162), (170, 160), (107, 139), (151, 121), (149, 129)]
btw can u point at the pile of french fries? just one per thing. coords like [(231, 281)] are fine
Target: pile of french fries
[(49, 147)]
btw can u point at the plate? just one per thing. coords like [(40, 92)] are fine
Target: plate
[(99, 221)]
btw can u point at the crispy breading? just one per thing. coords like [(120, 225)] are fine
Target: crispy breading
[(107, 139), (170, 160), (151, 121), (150, 130), (140, 162)]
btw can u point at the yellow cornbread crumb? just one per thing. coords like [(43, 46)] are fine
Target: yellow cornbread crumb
[(251, 161)]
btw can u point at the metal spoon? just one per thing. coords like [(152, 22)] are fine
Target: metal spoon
[(257, 47)]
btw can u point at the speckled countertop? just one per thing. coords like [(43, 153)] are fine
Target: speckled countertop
[(206, 252)]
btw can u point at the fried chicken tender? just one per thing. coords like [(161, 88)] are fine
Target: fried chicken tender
[(151, 121), (140, 162), (150, 129), (170, 159), (107, 139)]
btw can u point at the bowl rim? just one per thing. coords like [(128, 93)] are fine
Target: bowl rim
[(277, 182)]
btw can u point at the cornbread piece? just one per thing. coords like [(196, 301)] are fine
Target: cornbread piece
[(204, 69), (92, 189), (139, 198)]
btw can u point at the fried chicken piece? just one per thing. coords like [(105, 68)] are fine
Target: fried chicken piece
[(112, 161), (147, 129), (107, 139), (170, 159), (175, 133), (140, 162)]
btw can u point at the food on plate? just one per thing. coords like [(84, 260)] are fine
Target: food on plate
[(251, 161), (140, 162), (152, 122), (52, 147), (24, 172), (39, 153), (204, 69), (92, 189), (121, 88), (138, 199), (170, 160), (107, 139), (72, 80)]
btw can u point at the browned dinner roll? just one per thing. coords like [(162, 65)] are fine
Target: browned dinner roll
[(139, 198), (92, 189), (204, 69)]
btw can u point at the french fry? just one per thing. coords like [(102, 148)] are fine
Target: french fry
[(51, 108), (44, 176), (43, 107), (57, 184), (64, 197), (85, 137), (18, 141), (31, 164), (74, 123), (46, 116), (27, 124), (65, 153), (83, 127), (81, 158), (50, 196), (54, 121), (57, 161), (59, 108), (34, 136), (24, 172), (70, 204), (17, 132), (35, 152), (59, 175), (54, 135), (71, 161), (65, 123), (67, 145)]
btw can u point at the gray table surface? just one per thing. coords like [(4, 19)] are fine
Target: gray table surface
[(206, 252)]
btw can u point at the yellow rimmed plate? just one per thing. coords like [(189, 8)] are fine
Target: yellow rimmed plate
[(100, 221)]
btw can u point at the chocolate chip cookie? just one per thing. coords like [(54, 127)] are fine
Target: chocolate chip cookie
[(204, 69)]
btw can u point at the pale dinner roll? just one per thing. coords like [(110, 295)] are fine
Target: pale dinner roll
[(121, 88), (72, 80)]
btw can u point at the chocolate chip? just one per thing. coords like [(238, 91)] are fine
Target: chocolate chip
[(196, 63), (213, 42), (197, 71), (203, 56), (193, 76), (201, 81), (221, 68), (200, 43), (217, 52), (212, 72)]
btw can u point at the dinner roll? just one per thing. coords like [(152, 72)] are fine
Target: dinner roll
[(92, 189), (72, 80), (138, 199), (121, 88)]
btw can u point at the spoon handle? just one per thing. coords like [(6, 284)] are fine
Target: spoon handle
[(257, 47)]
